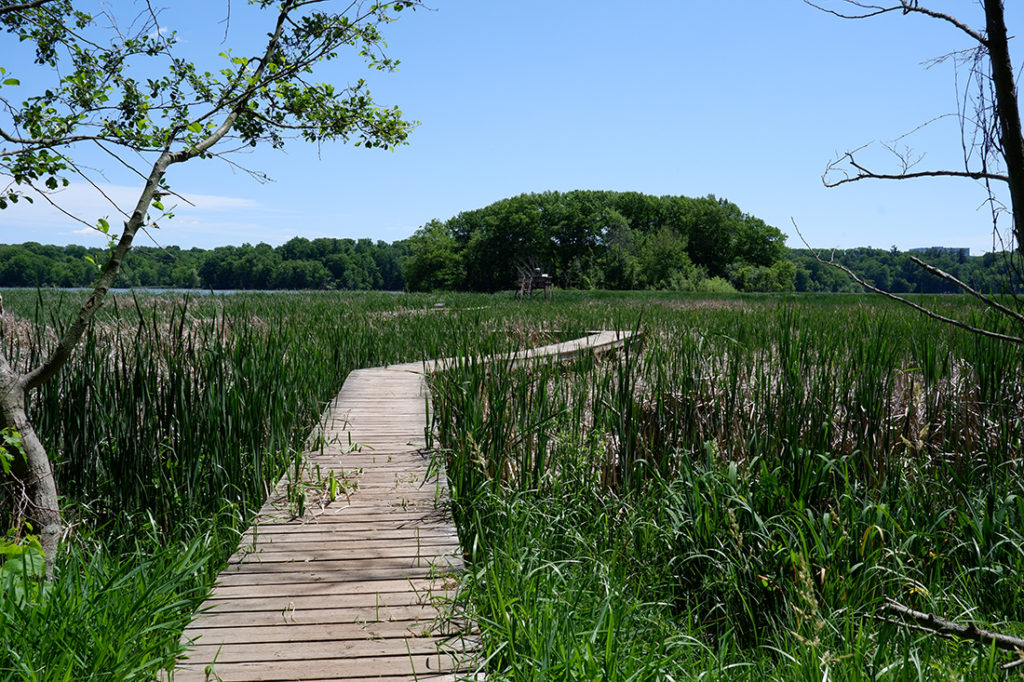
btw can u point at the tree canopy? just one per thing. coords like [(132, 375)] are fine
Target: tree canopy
[(892, 270), (612, 240)]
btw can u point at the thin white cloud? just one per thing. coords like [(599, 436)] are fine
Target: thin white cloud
[(202, 221), (211, 202)]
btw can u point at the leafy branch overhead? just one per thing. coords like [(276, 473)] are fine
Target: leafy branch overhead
[(126, 90), (133, 93)]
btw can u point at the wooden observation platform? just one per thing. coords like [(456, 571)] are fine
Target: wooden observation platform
[(350, 588)]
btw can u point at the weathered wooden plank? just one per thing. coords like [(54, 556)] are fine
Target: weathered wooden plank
[(305, 572), (408, 667), (404, 548), (291, 542), (283, 603), (327, 588), (344, 648), (343, 512), (388, 668), (354, 530), (357, 614), (294, 632), (356, 526), (391, 566)]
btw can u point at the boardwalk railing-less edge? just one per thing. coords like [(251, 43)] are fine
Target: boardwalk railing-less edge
[(348, 588)]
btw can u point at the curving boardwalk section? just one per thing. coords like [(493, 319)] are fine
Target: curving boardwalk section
[(350, 588)]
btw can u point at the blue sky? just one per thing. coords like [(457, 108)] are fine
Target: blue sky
[(743, 99)]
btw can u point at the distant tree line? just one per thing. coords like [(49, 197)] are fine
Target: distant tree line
[(600, 239), (583, 239), (297, 264), (892, 270)]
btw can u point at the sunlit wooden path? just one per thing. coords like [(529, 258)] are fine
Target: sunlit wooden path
[(350, 589)]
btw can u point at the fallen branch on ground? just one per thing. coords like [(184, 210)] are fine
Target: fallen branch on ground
[(948, 628)]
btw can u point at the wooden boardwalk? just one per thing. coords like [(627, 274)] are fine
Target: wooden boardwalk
[(350, 589)]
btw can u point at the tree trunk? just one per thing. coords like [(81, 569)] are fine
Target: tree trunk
[(34, 470), (1007, 109)]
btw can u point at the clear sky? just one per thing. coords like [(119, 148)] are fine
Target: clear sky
[(743, 99)]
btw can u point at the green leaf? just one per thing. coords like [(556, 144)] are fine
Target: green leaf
[(10, 445), (195, 127), (12, 81), (103, 226), (157, 205)]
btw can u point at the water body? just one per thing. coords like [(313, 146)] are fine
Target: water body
[(226, 292)]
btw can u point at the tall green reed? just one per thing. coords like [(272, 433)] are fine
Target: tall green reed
[(784, 453)]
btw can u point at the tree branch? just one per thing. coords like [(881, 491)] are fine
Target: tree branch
[(905, 7), (942, 626), (908, 8), (987, 300), (136, 221), (871, 10), (76, 329), (868, 175), (29, 145), (865, 173), (907, 302), (20, 6)]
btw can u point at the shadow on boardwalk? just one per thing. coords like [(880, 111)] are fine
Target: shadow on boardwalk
[(348, 588)]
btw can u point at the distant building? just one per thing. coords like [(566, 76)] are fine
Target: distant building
[(955, 251)]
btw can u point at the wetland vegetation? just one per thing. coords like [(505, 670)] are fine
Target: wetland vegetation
[(734, 495)]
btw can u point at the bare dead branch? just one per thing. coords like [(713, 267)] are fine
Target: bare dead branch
[(867, 175), (987, 300), (942, 626), (905, 162), (907, 302), (867, 11), (908, 8), (910, 626)]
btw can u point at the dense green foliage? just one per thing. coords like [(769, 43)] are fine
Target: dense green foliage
[(738, 493), (476, 250), (297, 264), (893, 270), (733, 496), (365, 265), (599, 239)]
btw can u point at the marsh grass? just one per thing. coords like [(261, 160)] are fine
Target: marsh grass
[(730, 498), (740, 494), (106, 617)]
